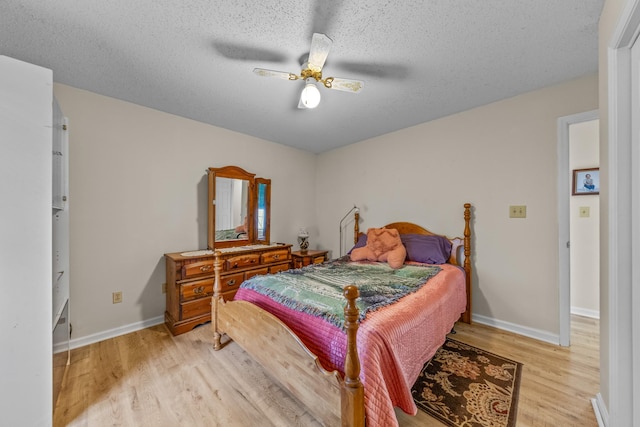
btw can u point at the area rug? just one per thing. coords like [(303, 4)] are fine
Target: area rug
[(464, 386)]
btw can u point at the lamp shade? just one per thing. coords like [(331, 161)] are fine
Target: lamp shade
[(310, 96)]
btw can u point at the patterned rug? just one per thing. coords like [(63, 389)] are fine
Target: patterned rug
[(466, 386)]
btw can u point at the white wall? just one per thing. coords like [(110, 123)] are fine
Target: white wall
[(25, 244), (501, 154), (584, 231), (139, 190)]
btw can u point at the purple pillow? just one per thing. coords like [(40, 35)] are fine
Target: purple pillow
[(362, 241), (426, 249)]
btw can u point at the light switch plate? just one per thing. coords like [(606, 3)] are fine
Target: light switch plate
[(117, 297)]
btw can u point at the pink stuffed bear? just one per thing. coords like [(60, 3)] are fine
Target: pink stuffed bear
[(383, 244)]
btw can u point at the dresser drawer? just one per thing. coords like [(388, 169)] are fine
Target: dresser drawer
[(228, 296), (197, 269), (231, 281), (275, 256), (197, 289), (242, 261), (257, 271), (195, 308), (276, 268)]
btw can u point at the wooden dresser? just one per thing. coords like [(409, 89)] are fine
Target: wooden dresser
[(191, 276)]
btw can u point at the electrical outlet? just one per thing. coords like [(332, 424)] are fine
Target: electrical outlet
[(117, 297), (584, 211), (517, 211), (164, 288)]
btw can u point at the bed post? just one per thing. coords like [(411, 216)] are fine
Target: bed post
[(352, 393), (466, 317), (215, 299)]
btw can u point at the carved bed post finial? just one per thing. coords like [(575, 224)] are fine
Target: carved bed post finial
[(215, 299), (467, 259), (356, 226), (352, 390)]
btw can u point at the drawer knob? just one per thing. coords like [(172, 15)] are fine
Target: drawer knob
[(198, 290), (231, 282), (276, 256), (205, 268)]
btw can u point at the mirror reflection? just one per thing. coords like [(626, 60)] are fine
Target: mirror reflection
[(261, 231), (232, 196)]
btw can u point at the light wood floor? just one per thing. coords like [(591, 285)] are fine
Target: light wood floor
[(150, 378)]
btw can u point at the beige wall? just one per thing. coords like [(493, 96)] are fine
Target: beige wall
[(584, 231), (138, 190), (493, 156)]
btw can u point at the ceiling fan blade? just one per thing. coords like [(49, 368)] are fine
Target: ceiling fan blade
[(279, 74), (243, 52), (320, 47), (345, 85)]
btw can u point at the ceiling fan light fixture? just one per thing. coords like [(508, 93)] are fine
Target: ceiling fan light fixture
[(310, 96)]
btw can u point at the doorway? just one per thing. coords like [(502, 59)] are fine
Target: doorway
[(584, 218), (565, 213)]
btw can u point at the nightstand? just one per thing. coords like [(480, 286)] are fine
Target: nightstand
[(309, 257)]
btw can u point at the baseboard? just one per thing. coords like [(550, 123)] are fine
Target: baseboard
[(517, 329), (600, 409), (585, 312), (115, 332)]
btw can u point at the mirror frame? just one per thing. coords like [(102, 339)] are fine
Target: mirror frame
[(235, 172)]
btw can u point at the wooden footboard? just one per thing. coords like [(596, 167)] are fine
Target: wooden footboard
[(331, 399)]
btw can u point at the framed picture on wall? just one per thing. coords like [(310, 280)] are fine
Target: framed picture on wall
[(586, 181)]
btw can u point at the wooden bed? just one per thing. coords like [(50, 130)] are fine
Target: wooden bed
[(330, 397)]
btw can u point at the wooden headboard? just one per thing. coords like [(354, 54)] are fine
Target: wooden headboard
[(459, 246)]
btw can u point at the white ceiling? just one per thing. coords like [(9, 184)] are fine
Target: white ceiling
[(420, 60)]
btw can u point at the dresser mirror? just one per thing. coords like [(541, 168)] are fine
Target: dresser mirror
[(238, 208)]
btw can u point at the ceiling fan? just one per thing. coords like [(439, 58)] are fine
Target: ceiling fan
[(312, 73)]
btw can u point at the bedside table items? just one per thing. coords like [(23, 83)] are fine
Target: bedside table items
[(301, 259), (303, 240)]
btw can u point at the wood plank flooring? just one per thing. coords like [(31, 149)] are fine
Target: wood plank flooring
[(150, 378)]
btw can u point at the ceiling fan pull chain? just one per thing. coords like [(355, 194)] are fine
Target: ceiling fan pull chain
[(328, 82)]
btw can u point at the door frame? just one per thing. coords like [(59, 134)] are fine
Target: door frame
[(621, 340)]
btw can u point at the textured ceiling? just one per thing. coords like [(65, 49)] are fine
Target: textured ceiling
[(420, 60)]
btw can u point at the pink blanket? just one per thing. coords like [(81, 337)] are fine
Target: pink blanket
[(394, 342)]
